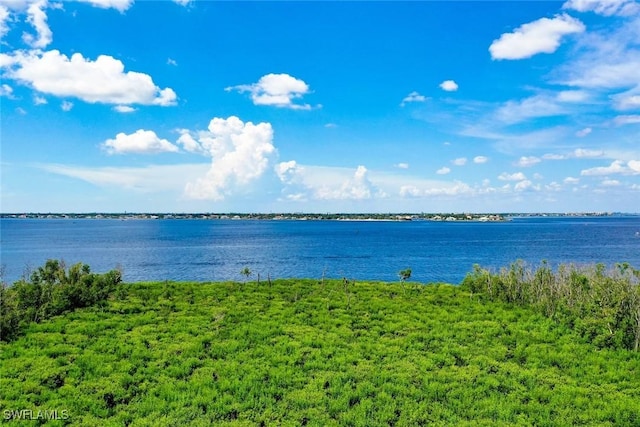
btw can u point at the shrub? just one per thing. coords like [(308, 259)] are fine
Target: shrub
[(52, 290)]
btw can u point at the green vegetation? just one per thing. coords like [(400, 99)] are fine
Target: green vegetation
[(601, 306), (52, 290), (303, 352)]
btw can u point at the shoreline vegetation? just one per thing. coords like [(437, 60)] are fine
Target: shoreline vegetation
[(520, 346), (477, 217)]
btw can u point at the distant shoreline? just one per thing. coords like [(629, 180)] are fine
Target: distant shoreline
[(440, 217)]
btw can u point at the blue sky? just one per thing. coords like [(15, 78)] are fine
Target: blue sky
[(194, 106)]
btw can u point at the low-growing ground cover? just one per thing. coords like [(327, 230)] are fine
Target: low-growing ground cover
[(303, 352)]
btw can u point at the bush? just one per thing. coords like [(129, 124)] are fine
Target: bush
[(602, 305), (52, 290)]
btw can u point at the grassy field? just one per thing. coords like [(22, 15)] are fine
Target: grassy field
[(301, 352)]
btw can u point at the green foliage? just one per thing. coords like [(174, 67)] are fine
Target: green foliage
[(52, 290), (602, 306), (246, 272), (404, 274), (302, 353)]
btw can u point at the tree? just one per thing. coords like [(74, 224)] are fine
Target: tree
[(404, 274), (246, 272)]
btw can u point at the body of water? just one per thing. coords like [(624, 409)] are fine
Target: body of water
[(216, 250)]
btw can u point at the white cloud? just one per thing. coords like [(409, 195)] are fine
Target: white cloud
[(6, 90), (524, 185), (413, 97), (331, 125), (66, 105), (610, 183), (480, 159), (38, 19), (279, 90), (585, 153), (140, 142), (617, 167), (554, 157), (402, 165), (359, 187), (443, 170), (119, 5), (460, 161), (541, 36), (534, 106), (150, 179), (571, 180), (627, 120), (124, 109), (182, 2), (172, 62), (526, 161), (573, 96), (604, 7), (4, 17), (629, 100), (99, 81), (518, 176), (240, 154), (39, 100), (288, 171), (584, 132), (449, 86)]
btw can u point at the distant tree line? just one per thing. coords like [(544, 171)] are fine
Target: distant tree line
[(602, 305), (52, 290)]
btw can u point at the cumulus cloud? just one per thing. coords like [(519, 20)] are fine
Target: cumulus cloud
[(524, 185), (571, 180), (119, 5), (460, 161), (66, 105), (240, 154), (604, 7), (526, 161), (443, 170), (359, 187), (278, 90), (449, 86), (541, 36), (480, 159), (288, 172), (413, 97), (124, 109), (617, 167), (140, 142), (518, 176), (101, 81)]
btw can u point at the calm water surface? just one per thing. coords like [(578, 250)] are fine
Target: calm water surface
[(218, 249)]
